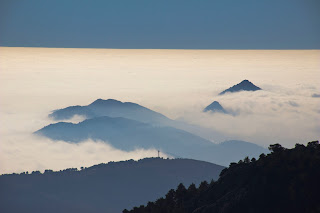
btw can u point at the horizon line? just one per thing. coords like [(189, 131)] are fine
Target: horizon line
[(98, 48)]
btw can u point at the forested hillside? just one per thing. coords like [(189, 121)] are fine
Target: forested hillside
[(286, 180), (101, 188)]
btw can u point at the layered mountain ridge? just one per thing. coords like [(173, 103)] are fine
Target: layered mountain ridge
[(127, 134), (100, 188)]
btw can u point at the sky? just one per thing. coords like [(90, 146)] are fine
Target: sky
[(165, 24), (176, 83)]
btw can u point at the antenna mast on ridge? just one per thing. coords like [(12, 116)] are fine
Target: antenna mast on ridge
[(158, 153)]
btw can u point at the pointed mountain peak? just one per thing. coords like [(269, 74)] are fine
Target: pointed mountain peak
[(245, 81), (244, 85), (215, 107), (216, 104)]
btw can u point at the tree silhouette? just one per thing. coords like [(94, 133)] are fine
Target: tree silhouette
[(286, 180), (276, 148)]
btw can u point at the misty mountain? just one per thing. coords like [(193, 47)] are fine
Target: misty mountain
[(100, 188), (111, 108), (215, 107), (244, 85), (127, 134), (315, 95), (286, 180), (115, 108)]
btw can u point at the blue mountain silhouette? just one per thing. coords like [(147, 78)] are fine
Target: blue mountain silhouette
[(244, 85), (127, 134), (215, 107), (111, 108), (133, 111)]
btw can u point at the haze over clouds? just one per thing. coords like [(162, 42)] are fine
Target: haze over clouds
[(21, 151), (29, 153), (265, 117), (177, 83)]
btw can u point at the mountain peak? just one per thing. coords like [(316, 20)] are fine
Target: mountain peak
[(244, 85), (111, 108), (102, 101), (215, 107), (246, 82)]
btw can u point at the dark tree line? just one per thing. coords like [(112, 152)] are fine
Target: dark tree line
[(180, 200), (286, 180), (100, 188)]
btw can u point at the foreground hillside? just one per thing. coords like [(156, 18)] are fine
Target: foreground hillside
[(102, 188), (287, 180)]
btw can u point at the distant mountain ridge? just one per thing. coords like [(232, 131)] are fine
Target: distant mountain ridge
[(111, 108), (127, 134), (244, 85), (122, 133), (133, 111), (100, 188)]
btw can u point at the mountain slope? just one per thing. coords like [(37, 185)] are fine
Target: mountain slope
[(111, 108), (287, 180), (114, 108), (244, 85), (126, 134), (122, 133), (100, 188)]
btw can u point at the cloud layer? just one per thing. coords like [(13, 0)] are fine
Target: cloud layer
[(21, 151), (30, 153), (274, 115), (177, 83)]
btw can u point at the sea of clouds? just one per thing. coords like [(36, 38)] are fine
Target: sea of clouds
[(21, 151), (176, 83), (272, 115)]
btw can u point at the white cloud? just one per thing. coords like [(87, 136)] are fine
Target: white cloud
[(177, 83), (286, 116), (30, 153), (21, 151)]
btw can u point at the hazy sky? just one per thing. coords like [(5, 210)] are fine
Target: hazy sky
[(164, 24), (177, 83)]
